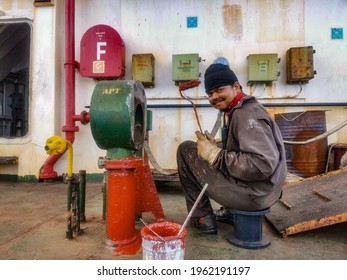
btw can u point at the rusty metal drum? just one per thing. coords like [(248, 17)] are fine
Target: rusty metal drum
[(309, 159)]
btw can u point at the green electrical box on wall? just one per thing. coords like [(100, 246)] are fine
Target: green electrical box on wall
[(185, 67), (262, 68)]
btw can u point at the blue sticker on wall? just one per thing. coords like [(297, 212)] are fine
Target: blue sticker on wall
[(192, 22), (336, 33)]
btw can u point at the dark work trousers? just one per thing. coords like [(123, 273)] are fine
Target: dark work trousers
[(195, 172)]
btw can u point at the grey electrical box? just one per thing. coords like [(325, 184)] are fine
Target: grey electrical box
[(262, 67), (185, 67)]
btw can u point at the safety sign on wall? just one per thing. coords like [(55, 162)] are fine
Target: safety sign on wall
[(102, 53)]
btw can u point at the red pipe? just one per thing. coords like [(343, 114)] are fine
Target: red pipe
[(70, 128), (47, 170)]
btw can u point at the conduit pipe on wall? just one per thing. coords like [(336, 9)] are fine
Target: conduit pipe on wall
[(47, 170)]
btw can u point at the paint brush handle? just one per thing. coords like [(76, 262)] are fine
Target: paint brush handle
[(193, 208), (156, 234)]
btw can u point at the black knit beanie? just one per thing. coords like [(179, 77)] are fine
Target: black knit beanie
[(218, 75)]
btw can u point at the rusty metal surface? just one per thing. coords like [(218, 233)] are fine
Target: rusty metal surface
[(311, 203), (304, 160)]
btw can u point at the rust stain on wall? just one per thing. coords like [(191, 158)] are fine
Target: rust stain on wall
[(232, 21), (280, 20), (7, 5), (284, 4)]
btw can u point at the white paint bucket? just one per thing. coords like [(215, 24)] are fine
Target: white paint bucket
[(160, 241)]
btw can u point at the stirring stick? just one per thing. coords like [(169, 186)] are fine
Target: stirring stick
[(156, 234), (193, 208)]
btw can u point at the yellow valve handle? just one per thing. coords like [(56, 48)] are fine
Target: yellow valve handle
[(57, 145)]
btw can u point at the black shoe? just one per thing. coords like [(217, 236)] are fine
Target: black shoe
[(224, 215), (205, 224)]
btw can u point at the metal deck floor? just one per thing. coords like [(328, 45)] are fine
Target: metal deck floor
[(33, 223)]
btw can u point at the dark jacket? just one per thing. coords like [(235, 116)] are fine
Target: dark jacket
[(254, 154)]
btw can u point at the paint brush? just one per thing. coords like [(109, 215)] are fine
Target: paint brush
[(188, 85), (193, 208)]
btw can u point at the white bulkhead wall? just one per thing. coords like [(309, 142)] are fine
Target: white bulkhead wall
[(233, 29)]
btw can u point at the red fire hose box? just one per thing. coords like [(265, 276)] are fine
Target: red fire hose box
[(102, 53)]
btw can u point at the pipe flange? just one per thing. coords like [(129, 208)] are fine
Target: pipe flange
[(124, 163)]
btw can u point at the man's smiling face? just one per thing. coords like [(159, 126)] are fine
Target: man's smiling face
[(221, 98)]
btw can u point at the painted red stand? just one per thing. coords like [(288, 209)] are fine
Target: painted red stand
[(131, 191)]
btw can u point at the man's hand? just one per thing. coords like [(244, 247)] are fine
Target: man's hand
[(210, 138), (207, 150)]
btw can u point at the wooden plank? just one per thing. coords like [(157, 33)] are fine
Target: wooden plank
[(311, 203)]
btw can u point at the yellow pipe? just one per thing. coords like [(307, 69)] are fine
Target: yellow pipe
[(56, 145), (69, 158)]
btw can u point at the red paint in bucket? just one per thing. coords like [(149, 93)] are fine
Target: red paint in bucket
[(167, 245)]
